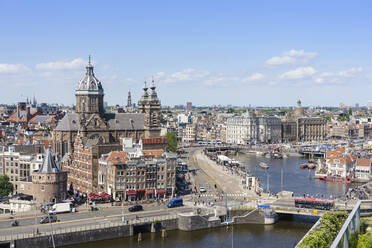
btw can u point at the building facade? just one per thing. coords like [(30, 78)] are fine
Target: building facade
[(137, 178), (311, 128)]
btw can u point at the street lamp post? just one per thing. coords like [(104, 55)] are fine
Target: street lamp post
[(51, 227)]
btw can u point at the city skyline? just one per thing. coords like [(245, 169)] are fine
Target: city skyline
[(208, 53)]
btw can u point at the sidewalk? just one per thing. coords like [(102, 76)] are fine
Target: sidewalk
[(228, 182)]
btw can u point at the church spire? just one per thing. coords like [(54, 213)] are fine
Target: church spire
[(89, 67)]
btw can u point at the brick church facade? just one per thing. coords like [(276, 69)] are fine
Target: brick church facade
[(98, 127)]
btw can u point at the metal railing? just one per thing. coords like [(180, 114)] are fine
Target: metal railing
[(351, 226), (63, 230)]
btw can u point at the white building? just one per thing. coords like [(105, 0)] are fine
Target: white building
[(239, 129), (245, 129), (362, 169)]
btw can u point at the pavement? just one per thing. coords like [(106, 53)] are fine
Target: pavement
[(228, 182)]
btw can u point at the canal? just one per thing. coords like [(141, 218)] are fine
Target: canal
[(299, 181), (283, 234)]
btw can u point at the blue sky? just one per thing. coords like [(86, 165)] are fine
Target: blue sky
[(266, 53)]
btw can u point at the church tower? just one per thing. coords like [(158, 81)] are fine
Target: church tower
[(149, 104), (89, 94)]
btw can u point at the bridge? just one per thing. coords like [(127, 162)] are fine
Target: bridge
[(313, 153)]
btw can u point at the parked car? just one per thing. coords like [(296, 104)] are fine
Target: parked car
[(202, 190), (135, 208), (45, 219), (64, 207)]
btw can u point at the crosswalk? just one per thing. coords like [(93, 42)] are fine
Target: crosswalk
[(228, 195)]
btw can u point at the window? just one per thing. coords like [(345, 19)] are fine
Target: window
[(42, 188)]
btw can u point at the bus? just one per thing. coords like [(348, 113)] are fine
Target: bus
[(313, 203), (175, 203)]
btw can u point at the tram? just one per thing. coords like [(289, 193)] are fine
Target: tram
[(313, 203)]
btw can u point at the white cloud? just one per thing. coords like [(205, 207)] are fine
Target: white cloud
[(319, 80), (351, 72), (291, 57), (185, 75), (62, 65), (220, 80), (254, 77), (13, 68), (338, 77), (298, 73)]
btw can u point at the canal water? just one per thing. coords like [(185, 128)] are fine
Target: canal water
[(285, 233), (299, 181)]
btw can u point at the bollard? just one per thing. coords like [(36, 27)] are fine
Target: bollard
[(163, 233), (139, 237)]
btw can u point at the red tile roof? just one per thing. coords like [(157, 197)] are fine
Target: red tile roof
[(155, 153), (117, 157)]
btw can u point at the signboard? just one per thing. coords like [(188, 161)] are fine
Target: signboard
[(263, 206)]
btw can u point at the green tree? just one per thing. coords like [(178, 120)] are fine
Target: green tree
[(6, 187), (172, 141), (364, 241)]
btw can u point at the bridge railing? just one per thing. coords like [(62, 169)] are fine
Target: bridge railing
[(61, 230), (351, 226)]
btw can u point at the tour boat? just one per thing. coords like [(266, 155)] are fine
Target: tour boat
[(336, 179)]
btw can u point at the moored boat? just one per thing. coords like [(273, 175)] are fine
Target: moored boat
[(311, 166), (263, 165), (336, 179), (303, 166)]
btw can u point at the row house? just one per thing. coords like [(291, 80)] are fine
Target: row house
[(82, 163), (137, 178)]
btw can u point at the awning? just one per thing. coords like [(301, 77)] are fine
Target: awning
[(140, 191), (149, 191), (131, 192), (161, 191)]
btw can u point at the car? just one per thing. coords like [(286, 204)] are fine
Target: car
[(135, 208), (45, 219), (202, 189)]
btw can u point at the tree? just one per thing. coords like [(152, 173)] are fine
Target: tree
[(172, 141), (6, 187)]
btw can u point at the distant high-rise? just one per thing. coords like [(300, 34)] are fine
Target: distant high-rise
[(189, 106), (129, 103)]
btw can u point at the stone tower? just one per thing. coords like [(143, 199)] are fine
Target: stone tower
[(149, 104), (89, 94)]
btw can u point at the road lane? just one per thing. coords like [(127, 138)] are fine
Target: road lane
[(91, 220)]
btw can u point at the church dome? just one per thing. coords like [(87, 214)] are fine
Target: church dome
[(89, 83), (299, 110)]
